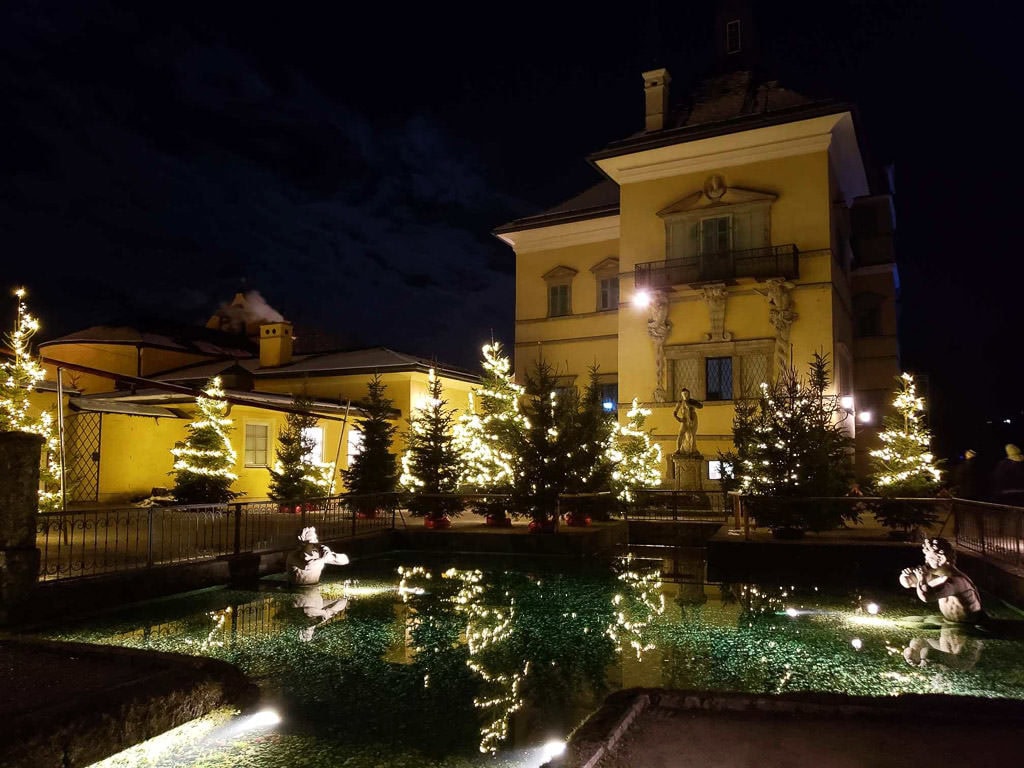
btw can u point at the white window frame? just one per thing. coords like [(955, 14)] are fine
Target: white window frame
[(729, 27), (556, 289), (607, 297), (317, 453), (246, 450)]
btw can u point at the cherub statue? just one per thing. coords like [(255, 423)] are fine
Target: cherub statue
[(305, 563), (940, 580), (312, 604), (686, 414)]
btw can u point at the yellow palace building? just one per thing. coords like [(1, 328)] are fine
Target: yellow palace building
[(130, 395), (739, 231)]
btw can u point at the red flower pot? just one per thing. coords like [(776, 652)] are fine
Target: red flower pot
[(498, 521), (542, 526), (577, 521), (437, 523)]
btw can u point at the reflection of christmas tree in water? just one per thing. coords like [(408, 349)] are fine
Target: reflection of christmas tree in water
[(487, 628), (636, 607)]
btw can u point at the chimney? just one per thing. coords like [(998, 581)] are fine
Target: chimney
[(656, 99), (275, 344)]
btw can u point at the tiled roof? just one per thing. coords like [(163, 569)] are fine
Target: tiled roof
[(602, 199)]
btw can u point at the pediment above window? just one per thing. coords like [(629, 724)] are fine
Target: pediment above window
[(611, 264), (560, 273), (699, 201)]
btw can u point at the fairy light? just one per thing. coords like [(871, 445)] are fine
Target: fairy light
[(207, 451), (636, 608), (636, 461), (903, 460), (19, 378)]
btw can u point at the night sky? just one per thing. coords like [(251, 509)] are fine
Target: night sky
[(349, 161)]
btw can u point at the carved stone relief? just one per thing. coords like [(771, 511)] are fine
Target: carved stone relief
[(714, 296), (781, 317), (658, 328)]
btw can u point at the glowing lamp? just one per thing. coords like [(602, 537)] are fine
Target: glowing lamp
[(552, 749), (791, 612), (856, 643), (865, 417), (846, 401), (872, 608), (641, 299)]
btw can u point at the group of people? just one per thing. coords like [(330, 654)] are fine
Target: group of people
[(1005, 483)]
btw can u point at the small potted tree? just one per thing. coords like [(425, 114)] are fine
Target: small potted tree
[(431, 463), (372, 475), (904, 467)]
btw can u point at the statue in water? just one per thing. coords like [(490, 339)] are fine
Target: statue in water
[(941, 581), (305, 563)]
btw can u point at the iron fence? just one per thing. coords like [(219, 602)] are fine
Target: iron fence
[(677, 505), (90, 542), (993, 530)]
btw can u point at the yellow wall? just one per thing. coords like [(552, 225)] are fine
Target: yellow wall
[(801, 214)]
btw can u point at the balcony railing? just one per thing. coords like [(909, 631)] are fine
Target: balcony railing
[(725, 266)]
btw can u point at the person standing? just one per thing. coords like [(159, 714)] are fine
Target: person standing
[(1008, 478), (966, 483)]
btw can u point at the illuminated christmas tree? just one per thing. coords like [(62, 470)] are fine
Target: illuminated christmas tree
[(489, 436), (204, 462), (431, 463), (904, 465), (373, 471), (19, 378), (297, 474), (635, 461), (791, 442)]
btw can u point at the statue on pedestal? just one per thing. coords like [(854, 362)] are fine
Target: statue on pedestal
[(686, 414), (305, 563)]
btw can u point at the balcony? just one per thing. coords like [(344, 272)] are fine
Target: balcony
[(723, 267)]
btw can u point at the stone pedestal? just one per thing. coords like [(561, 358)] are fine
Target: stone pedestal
[(689, 475), (19, 508)]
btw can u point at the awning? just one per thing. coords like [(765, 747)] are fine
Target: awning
[(100, 405)]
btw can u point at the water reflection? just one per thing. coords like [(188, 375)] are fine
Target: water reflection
[(432, 666)]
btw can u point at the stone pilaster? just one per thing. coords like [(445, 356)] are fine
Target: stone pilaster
[(19, 508), (714, 296)]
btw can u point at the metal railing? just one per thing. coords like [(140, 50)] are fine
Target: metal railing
[(677, 505), (993, 530), (765, 262), (90, 542)]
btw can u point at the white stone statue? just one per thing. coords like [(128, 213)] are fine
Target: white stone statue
[(940, 581), (312, 604), (305, 563), (686, 414)]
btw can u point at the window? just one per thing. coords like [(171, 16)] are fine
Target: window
[(609, 396), (316, 435), (867, 315), (558, 300), (719, 378), (608, 293), (715, 235), (717, 468), (257, 442), (733, 41), (355, 445)]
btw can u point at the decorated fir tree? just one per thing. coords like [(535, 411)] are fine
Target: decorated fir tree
[(373, 471), (431, 463), (297, 474), (792, 443), (635, 461), (19, 377), (545, 460), (904, 466), (590, 429), (204, 462), (489, 436)]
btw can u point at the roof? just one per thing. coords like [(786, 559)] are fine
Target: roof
[(154, 402), (183, 338), (602, 199), (347, 362), (725, 103)]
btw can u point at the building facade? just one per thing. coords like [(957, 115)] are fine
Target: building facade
[(740, 232)]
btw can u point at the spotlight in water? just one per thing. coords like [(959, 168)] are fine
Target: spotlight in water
[(791, 612), (856, 643), (641, 299), (262, 719), (552, 749), (872, 608)]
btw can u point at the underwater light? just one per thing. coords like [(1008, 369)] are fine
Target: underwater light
[(262, 719), (856, 643), (872, 608), (552, 749), (791, 612)]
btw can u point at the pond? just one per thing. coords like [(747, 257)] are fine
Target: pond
[(415, 663)]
